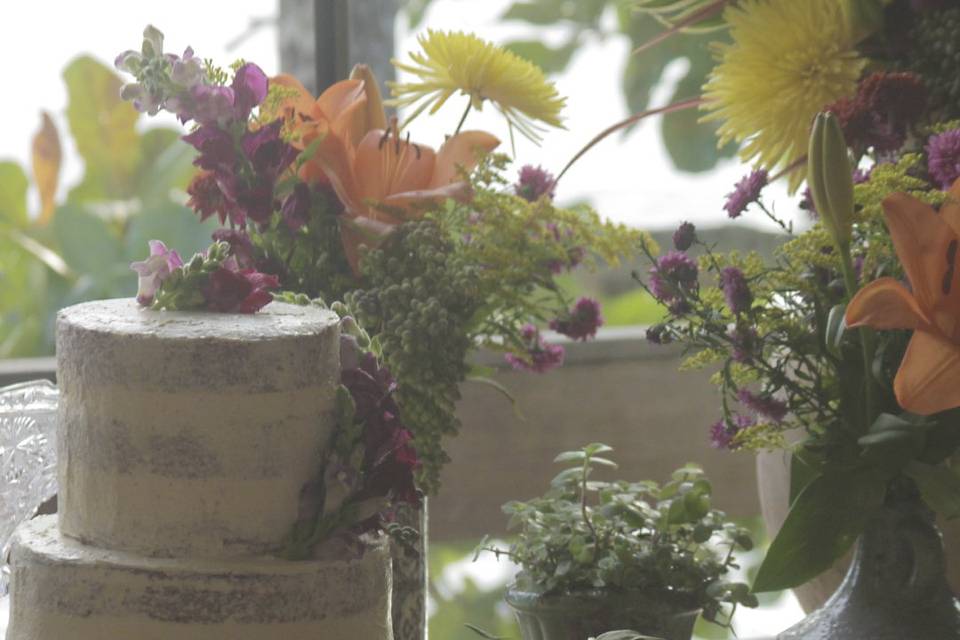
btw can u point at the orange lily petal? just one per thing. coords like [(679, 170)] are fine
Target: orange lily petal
[(333, 157), (344, 105), (927, 380), (376, 118), (885, 304), (301, 103), (384, 167), (950, 211), (460, 190), (920, 237), (461, 150)]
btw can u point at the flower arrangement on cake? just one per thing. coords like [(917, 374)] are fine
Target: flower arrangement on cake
[(843, 349), (427, 254)]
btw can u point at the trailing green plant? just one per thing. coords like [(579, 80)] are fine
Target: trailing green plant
[(585, 534)]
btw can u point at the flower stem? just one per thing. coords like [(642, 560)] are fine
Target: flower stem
[(463, 118), (867, 341)]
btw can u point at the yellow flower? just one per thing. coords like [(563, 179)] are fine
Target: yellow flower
[(454, 61), (788, 60)]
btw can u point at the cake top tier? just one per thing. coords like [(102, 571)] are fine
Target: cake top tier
[(123, 316)]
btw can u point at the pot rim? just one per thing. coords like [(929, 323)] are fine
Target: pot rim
[(680, 603)]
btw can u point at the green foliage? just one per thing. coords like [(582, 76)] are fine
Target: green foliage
[(127, 196), (587, 534), (464, 276)]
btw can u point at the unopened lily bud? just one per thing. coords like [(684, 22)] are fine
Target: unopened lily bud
[(376, 118), (830, 177)]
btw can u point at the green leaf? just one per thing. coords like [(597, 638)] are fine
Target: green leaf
[(939, 485), (836, 327), (570, 456), (167, 164), (103, 128), (87, 244), (692, 144), (13, 194), (597, 447), (823, 522), (550, 59), (802, 472)]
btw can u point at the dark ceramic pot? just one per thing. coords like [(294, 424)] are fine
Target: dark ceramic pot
[(896, 587), (588, 614)]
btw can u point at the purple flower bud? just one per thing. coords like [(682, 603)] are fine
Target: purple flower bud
[(540, 355), (943, 157), (722, 432), (684, 236), (250, 88), (766, 406), (672, 276), (581, 322), (534, 182), (736, 290), (745, 192)]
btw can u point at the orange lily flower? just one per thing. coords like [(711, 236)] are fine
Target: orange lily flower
[(926, 242), (379, 177)]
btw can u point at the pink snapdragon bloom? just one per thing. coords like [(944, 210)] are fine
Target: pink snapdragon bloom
[(154, 270)]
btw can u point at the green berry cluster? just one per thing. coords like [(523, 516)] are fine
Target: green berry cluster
[(422, 299), (935, 55), (182, 290)]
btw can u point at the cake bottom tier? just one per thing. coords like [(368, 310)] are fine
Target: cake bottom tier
[(63, 589)]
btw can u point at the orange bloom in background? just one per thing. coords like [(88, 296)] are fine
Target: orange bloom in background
[(379, 176), (926, 242)]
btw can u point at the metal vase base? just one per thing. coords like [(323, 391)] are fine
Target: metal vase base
[(896, 587)]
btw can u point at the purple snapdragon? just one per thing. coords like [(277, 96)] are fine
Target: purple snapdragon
[(154, 270)]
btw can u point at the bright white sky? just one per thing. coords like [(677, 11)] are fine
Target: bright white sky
[(627, 179)]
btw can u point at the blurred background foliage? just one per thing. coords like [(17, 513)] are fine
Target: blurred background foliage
[(691, 145), (79, 247)]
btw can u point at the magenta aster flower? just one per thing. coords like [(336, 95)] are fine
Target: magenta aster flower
[(943, 157), (684, 236), (540, 355), (745, 193), (234, 290), (674, 274), (581, 322), (534, 182), (154, 270), (766, 406), (736, 290), (723, 432)]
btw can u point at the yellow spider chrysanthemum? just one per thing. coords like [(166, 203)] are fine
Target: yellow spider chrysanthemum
[(788, 60), (454, 61)]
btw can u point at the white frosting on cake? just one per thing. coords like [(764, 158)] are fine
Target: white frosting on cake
[(67, 590), (191, 434)]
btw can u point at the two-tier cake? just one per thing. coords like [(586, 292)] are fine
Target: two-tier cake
[(185, 441)]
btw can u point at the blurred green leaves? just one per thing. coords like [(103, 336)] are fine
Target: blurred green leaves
[(132, 190)]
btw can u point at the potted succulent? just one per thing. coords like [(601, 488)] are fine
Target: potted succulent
[(599, 555)]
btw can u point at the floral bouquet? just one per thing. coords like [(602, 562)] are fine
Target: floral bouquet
[(426, 254), (844, 349)]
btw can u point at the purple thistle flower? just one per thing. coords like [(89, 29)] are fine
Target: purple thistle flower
[(673, 274), (684, 236), (744, 341), (736, 290), (540, 357), (943, 157), (581, 322), (766, 406), (745, 192), (723, 432), (534, 182)]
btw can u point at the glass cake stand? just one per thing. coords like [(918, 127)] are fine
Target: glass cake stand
[(28, 460)]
